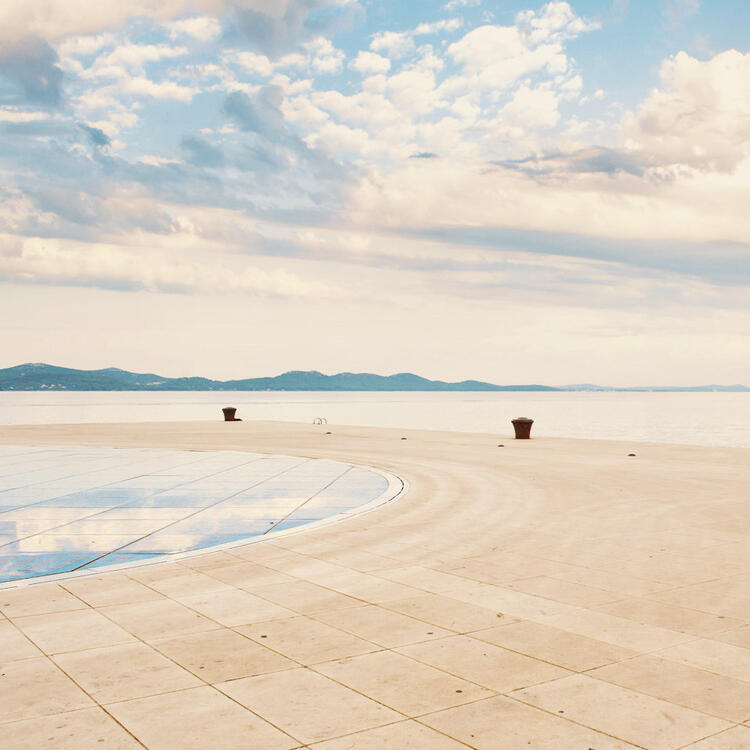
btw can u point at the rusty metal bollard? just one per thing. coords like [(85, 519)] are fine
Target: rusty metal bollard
[(229, 412), (522, 426)]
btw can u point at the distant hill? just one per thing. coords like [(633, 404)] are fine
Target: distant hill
[(659, 388), (43, 377)]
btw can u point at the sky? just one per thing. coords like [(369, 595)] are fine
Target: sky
[(510, 191)]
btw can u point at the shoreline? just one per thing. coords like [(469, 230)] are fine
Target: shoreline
[(95, 432), (674, 419)]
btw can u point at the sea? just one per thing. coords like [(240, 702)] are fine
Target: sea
[(719, 419)]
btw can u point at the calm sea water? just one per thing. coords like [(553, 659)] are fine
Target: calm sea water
[(697, 418)]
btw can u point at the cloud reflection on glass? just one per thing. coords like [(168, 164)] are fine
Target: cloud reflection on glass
[(65, 509)]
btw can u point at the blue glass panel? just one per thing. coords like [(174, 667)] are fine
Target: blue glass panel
[(315, 514), (290, 524), (30, 565), (120, 558), (85, 503), (97, 498), (184, 500)]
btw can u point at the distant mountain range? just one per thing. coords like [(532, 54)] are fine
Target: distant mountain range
[(43, 377)]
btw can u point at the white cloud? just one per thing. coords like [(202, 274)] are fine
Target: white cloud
[(8, 114), (428, 60), (291, 88), (455, 192), (140, 86), (126, 266), (375, 84), (301, 111), (532, 108), (317, 56), (554, 21), (157, 161), (700, 117), (203, 28), (56, 19), (129, 57), (395, 44), (371, 110), (324, 57), (79, 46), (454, 4), (502, 99), (369, 63), (413, 91), (446, 24), (340, 139), (258, 64), (105, 111), (571, 88), (495, 57)]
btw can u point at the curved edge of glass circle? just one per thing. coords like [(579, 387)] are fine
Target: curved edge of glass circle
[(395, 489)]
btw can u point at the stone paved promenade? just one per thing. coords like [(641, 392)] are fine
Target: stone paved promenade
[(548, 594)]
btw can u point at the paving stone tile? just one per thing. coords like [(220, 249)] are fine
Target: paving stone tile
[(131, 670), (182, 582), (38, 600), (736, 738), (368, 588), (75, 630), (446, 612), (605, 579), (307, 705), (714, 656), (381, 626), (158, 619), (100, 591), (634, 717), (505, 600), (91, 727), (219, 655), (737, 637), (356, 559), (401, 683), (504, 723), (615, 630), (500, 569), (493, 667), (669, 616), (305, 640), (560, 647), (235, 607), (36, 687), (406, 735), (208, 560), (684, 685), (725, 597), (563, 591), (305, 597), (14, 645), (419, 577), (197, 719), (248, 575)]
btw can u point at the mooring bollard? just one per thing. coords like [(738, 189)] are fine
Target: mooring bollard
[(522, 426), (229, 412)]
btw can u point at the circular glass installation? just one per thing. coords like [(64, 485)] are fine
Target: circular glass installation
[(75, 509)]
